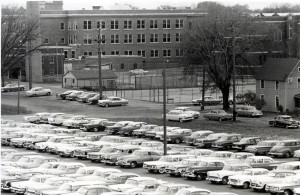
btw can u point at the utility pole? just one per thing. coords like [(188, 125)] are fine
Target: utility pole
[(99, 40), (19, 92), (233, 73), (165, 107), (29, 64), (203, 87)]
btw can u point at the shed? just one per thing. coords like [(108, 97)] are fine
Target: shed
[(89, 78)]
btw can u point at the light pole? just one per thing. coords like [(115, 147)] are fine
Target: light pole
[(233, 73), (99, 40), (165, 107), (29, 63)]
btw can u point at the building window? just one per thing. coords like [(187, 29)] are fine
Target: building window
[(298, 69), (127, 24), (73, 54), (179, 52), (87, 53), (154, 53), (114, 24), (135, 66), (122, 66), (153, 38), (73, 80), (141, 38), (262, 97), (101, 25), (74, 25), (262, 84), (102, 39), (87, 25), (115, 52), (62, 40), (128, 38), (153, 24), (298, 82), (140, 24), (179, 24), (276, 85), (276, 101), (65, 80), (141, 53), (62, 26), (128, 52), (166, 24), (46, 41), (166, 53), (166, 38), (290, 31), (66, 54), (178, 38), (51, 59), (87, 40), (278, 35), (51, 71), (114, 39)]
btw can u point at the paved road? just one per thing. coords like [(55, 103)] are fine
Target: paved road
[(165, 177)]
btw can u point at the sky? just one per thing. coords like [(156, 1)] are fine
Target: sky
[(153, 4)]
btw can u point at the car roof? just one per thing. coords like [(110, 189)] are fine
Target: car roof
[(250, 137), (243, 153), (128, 147), (203, 131), (291, 140), (175, 184), (259, 157), (142, 178), (257, 169), (124, 174), (283, 116), (182, 107)]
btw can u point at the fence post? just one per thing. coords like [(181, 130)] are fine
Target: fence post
[(158, 95), (154, 94)]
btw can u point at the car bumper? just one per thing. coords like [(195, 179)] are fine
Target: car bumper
[(122, 163), (237, 147), (18, 190), (276, 153), (235, 182), (172, 171), (212, 178), (256, 186), (189, 174), (60, 153)]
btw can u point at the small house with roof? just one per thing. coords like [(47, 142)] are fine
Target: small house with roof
[(278, 83), (89, 78)]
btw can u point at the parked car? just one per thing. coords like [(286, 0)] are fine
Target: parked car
[(30, 143), (128, 129), (209, 100), (137, 72), (115, 128), (94, 125), (143, 130), (38, 91), (65, 168), (239, 99), (188, 110), (219, 115), (249, 111), (289, 166), (83, 98), (112, 158), (177, 136), (196, 135), (285, 121), (193, 190), (69, 122), (167, 189), (285, 148), (285, 187), (243, 179), (138, 157), (130, 183), (226, 141), (82, 171), (228, 170), (98, 156), (72, 96), (112, 101), (64, 94), (13, 87), (177, 115), (157, 130), (100, 174), (246, 141), (199, 172), (262, 147), (207, 142), (42, 146), (296, 154), (119, 177), (29, 162), (94, 100), (179, 168), (239, 157), (262, 162), (180, 149), (59, 119), (37, 117)]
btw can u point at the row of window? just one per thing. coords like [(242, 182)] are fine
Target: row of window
[(127, 24), (276, 83), (277, 103), (154, 53)]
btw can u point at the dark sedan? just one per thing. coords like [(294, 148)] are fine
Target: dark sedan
[(219, 115)]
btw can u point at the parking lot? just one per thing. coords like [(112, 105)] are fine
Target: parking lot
[(150, 113)]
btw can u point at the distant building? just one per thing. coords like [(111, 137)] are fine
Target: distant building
[(278, 83)]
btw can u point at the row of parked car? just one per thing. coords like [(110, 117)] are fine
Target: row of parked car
[(240, 169), (32, 173)]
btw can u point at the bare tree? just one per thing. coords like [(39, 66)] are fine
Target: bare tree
[(210, 43), (17, 29)]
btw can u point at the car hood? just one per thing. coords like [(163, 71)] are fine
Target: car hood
[(121, 187), (221, 173), (241, 177), (41, 186), (25, 165), (23, 184), (54, 192), (277, 148), (256, 147), (90, 178), (157, 163), (101, 101)]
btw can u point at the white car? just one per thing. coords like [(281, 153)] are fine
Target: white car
[(42, 146), (188, 110), (36, 118), (137, 71), (177, 115), (192, 191), (99, 175), (130, 183), (68, 123), (297, 154), (112, 101), (228, 170), (243, 179), (296, 191), (38, 91)]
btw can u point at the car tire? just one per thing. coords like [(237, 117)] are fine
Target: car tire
[(133, 164), (199, 177), (224, 180), (177, 141), (48, 94), (161, 171), (95, 129), (288, 155), (288, 192), (106, 105), (181, 120), (246, 185)]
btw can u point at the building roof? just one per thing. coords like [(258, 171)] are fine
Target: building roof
[(277, 69), (93, 74)]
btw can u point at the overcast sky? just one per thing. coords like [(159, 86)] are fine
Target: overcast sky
[(153, 4)]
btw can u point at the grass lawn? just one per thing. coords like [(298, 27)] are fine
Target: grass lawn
[(12, 110)]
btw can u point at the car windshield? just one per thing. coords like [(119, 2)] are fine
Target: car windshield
[(165, 159), (281, 144), (107, 149), (131, 182), (46, 166), (265, 143), (228, 168), (287, 118), (81, 171), (224, 138), (62, 167), (27, 136), (24, 159), (236, 156), (35, 179), (162, 189), (175, 132), (244, 140), (82, 190), (112, 177), (65, 186), (138, 153), (148, 144), (247, 172), (212, 136)]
